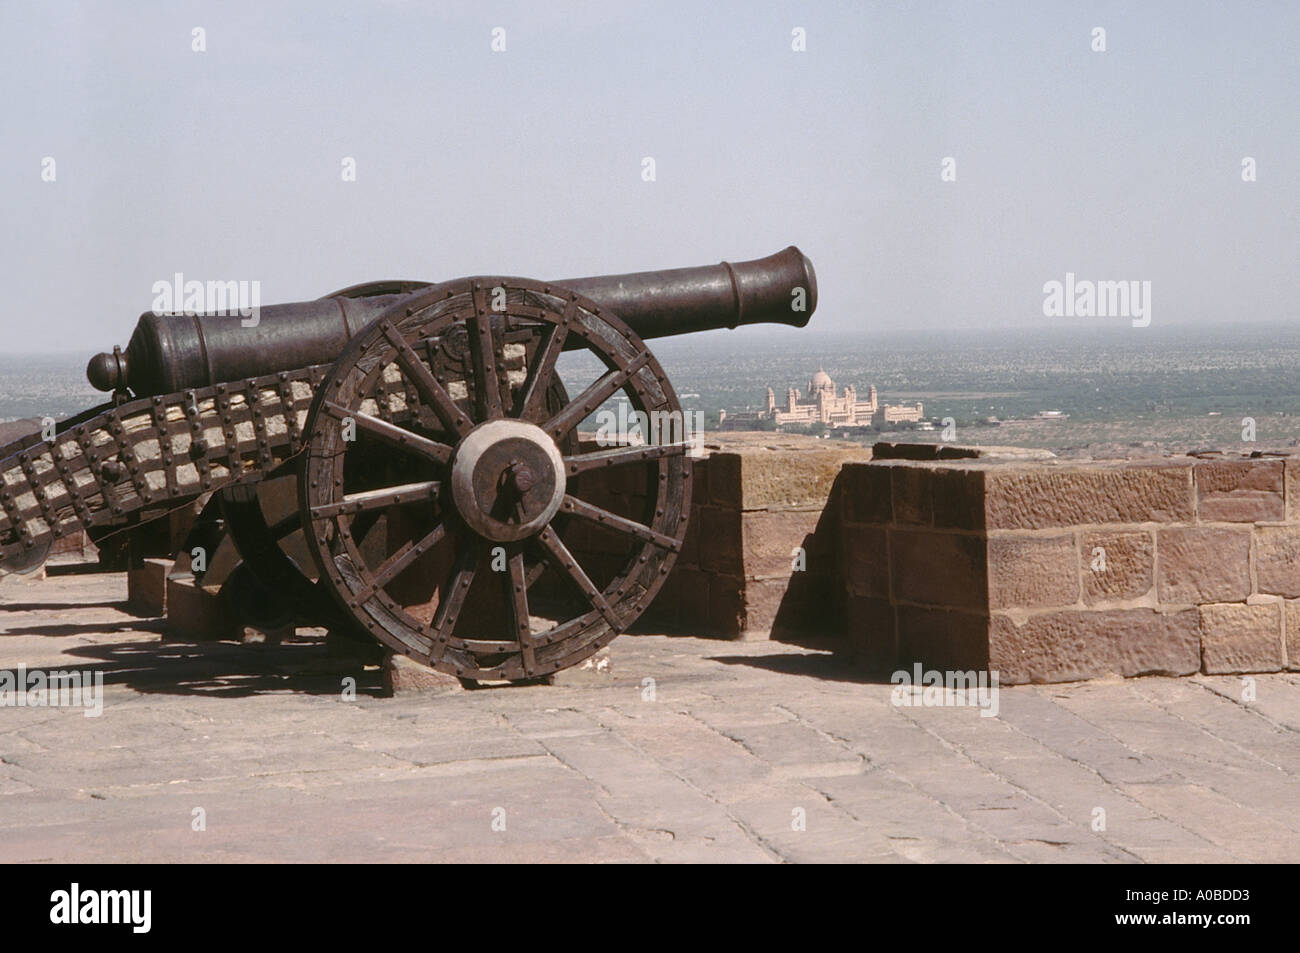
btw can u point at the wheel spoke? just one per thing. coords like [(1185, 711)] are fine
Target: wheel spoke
[(517, 598), (560, 557), (483, 354), (453, 596), (617, 456), (406, 554), (391, 433), (354, 503), (600, 391), (531, 401), (622, 524), (429, 386)]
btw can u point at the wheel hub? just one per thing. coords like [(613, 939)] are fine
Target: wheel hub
[(507, 479)]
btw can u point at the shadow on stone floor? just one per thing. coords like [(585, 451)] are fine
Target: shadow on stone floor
[(73, 569), (63, 629), (118, 604), (824, 666), (223, 670)]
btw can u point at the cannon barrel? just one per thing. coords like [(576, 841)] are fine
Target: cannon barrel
[(174, 352), (657, 304)]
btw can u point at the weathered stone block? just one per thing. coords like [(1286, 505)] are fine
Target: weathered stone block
[(774, 607), (771, 536), (942, 638), (195, 614), (403, 675), (1292, 622), (1239, 491), (913, 503), (1292, 481), (1076, 644), (865, 560), (957, 498), (1197, 564), (866, 491), (690, 554), (1277, 560), (885, 450), (762, 603), (777, 476), (938, 569), (1241, 638), (146, 588), (700, 481), (1123, 569), (872, 636), (725, 480), (802, 605), (693, 597), (1033, 571), (720, 540), (75, 543), (726, 606), (1018, 497)]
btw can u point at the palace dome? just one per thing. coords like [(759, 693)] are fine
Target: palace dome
[(821, 381)]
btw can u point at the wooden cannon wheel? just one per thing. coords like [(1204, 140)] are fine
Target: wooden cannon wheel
[(499, 485)]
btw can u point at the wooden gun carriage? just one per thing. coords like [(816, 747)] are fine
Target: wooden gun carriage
[(434, 448)]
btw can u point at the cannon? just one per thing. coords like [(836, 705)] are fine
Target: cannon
[(435, 452)]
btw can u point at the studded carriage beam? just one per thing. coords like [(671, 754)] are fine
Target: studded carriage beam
[(438, 466)]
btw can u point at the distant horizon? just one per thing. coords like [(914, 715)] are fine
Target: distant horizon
[(1189, 386), (810, 335)]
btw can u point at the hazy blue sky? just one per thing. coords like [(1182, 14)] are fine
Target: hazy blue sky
[(226, 164)]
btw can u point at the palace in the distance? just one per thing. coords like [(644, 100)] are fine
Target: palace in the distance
[(822, 405)]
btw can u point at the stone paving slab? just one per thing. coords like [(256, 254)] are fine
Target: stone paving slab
[(691, 750)]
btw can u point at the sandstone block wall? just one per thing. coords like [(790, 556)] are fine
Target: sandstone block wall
[(753, 503), (1053, 571)]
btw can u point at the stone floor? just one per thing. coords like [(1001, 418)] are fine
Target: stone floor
[(691, 750)]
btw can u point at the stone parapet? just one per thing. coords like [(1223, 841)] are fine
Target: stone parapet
[(1051, 570), (761, 551)]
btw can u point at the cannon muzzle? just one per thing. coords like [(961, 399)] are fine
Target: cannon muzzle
[(778, 289), (175, 352)]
